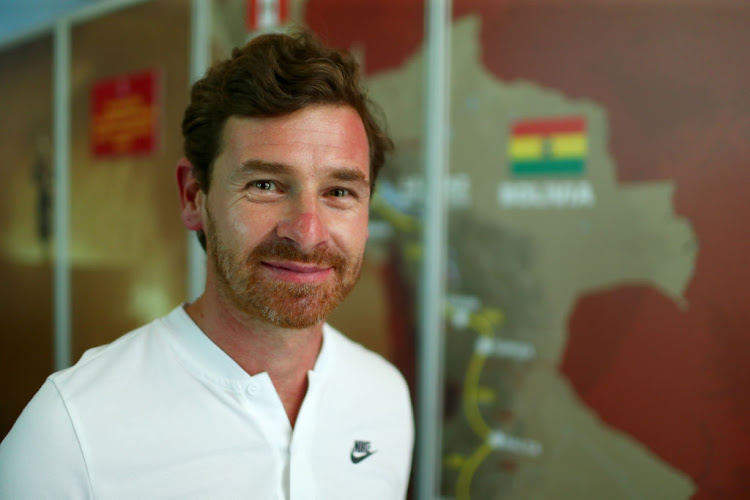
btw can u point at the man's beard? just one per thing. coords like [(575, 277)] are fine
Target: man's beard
[(282, 303)]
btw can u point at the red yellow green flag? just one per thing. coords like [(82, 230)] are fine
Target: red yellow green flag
[(548, 146)]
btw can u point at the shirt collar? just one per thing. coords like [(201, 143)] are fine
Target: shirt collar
[(210, 362)]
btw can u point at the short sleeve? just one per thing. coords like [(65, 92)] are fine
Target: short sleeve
[(41, 457)]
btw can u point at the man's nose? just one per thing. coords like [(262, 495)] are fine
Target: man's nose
[(304, 225)]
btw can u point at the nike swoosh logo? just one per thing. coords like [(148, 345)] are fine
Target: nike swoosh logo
[(358, 458)]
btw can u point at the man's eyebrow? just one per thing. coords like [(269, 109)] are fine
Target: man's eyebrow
[(344, 174), (264, 167), (349, 175)]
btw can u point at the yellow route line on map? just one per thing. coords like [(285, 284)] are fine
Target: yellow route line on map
[(463, 484), (483, 323), (471, 403)]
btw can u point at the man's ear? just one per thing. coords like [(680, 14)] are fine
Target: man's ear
[(192, 197)]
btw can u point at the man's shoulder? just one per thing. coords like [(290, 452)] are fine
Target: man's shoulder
[(356, 365), (113, 360), (349, 352)]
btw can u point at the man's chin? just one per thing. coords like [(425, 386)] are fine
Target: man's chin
[(293, 305), (293, 323), (295, 316)]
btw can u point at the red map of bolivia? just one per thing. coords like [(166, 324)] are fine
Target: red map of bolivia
[(675, 81)]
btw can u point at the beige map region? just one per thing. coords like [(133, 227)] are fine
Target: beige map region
[(622, 234)]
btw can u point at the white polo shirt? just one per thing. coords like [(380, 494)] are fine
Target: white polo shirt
[(162, 412)]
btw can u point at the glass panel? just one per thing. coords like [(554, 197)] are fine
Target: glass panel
[(129, 72), (597, 322), (26, 258)]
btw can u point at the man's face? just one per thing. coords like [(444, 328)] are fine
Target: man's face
[(286, 215)]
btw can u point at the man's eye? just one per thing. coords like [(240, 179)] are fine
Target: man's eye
[(340, 192), (263, 185)]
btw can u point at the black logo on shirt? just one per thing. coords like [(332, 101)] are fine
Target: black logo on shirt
[(361, 451)]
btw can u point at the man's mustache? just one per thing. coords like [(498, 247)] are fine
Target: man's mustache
[(278, 249)]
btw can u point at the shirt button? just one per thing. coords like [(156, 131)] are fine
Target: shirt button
[(253, 389)]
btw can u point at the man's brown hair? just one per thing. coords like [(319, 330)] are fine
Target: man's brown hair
[(270, 76)]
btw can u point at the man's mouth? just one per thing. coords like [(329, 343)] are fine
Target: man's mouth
[(297, 272)]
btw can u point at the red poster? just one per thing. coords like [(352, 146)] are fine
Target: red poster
[(125, 115)]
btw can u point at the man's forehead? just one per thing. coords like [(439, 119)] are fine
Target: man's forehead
[(312, 124), (332, 134), (320, 119)]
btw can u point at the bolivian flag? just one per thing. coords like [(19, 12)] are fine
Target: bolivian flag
[(548, 146)]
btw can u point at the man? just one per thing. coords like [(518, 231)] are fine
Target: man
[(246, 392)]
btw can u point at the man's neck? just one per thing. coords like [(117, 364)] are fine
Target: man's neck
[(257, 346)]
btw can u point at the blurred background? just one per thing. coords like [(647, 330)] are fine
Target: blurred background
[(593, 330)]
